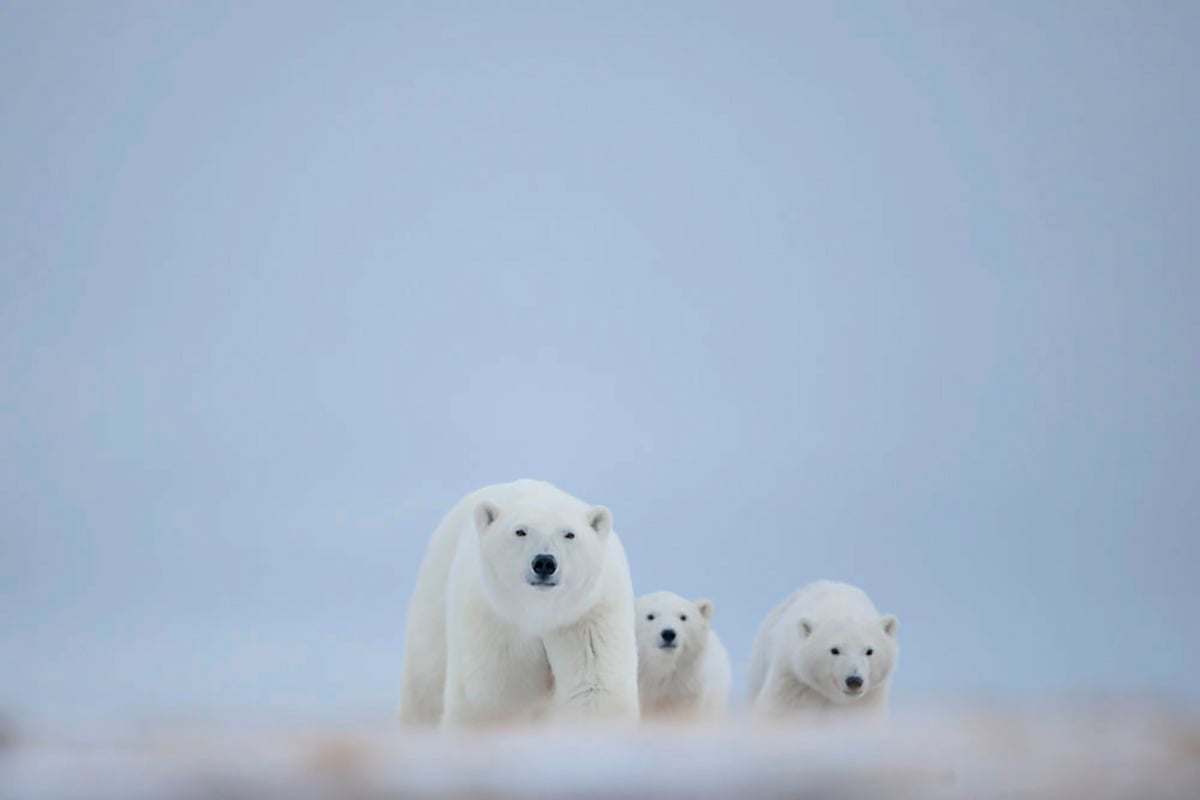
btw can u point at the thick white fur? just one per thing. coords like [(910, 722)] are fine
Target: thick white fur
[(687, 681), (792, 667), (484, 646)]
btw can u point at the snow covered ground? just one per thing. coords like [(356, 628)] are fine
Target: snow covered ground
[(1136, 754)]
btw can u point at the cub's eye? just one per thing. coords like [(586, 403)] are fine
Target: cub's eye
[(520, 531), (650, 617), (570, 534), (870, 650), (683, 617), (835, 651)]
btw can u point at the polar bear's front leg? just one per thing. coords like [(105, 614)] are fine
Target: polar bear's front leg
[(783, 694), (495, 673), (874, 707), (594, 662), (501, 679)]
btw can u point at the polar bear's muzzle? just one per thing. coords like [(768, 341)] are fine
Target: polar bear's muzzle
[(543, 571)]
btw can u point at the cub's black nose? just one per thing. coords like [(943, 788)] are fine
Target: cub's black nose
[(854, 682), (544, 565), (668, 635)]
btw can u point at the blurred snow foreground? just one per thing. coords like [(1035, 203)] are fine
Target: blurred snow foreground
[(977, 755)]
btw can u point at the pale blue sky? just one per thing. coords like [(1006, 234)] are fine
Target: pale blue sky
[(901, 294)]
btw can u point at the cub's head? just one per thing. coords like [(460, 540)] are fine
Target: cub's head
[(844, 659), (541, 566), (671, 630)]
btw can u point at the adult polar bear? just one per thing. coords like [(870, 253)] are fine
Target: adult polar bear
[(523, 607)]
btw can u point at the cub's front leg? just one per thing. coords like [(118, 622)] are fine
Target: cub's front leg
[(783, 696)]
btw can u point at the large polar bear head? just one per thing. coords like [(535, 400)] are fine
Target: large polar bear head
[(541, 566), (672, 632), (844, 659)]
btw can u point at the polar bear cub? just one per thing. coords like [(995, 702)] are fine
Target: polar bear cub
[(824, 648), (683, 669), (523, 608)]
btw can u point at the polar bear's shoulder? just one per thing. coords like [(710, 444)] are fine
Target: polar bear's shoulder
[(718, 673)]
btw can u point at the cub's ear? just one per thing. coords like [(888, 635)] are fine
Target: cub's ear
[(600, 518), (805, 627), (890, 623), (706, 608), (485, 514)]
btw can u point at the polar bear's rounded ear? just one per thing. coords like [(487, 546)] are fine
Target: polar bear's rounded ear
[(890, 623), (706, 608), (806, 627), (600, 518), (485, 514)]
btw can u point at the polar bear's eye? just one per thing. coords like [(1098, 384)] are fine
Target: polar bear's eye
[(835, 651), (870, 650), (650, 617), (570, 534), (683, 617), (520, 531)]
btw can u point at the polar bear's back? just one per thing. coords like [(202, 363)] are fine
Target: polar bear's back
[(829, 600), (527, 492)]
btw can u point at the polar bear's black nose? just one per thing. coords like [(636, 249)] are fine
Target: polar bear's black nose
[(668, 634), (854, 682), (544, 565)]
